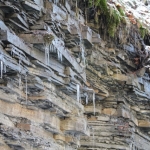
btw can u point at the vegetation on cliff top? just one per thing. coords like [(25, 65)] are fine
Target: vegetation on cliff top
[(113, 17)]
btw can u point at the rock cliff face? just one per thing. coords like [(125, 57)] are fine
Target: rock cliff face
[(74, 75)]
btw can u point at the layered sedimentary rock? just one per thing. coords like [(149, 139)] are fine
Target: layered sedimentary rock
[(67, 83), (39, 80)]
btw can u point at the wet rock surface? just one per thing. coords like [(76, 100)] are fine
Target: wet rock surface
[(66, 84)]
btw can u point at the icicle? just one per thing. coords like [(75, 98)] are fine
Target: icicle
[(31, 146), (1, 69), (20, 85), (93, 138), (51, 47), (117, 73), (19, 65), (54, 49), (48, 56), (79, 138), (94, 101), (86, 99), (78, 92), (82, 55), (46, 53), (26, 90), (19, 80), (107, 69), (5, 68), (134, 38), (11, 52), (59, 56)]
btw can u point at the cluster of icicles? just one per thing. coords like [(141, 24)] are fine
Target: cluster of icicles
[(3, 69), (3, 66), (83, 64), (51, 48), (20, 85), (86, 95), (82, 47)]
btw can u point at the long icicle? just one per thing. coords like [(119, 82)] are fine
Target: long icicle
[(1, 69), (47, 53), (58, 54), (19, 65), (93, 138), (51, 47), (78, 92), (82, 54), (5, 68), (94, 101), (26, 90), (61, 57), (19, 85), (87, 98)]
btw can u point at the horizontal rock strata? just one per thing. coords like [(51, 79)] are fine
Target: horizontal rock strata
[(66, 83)]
